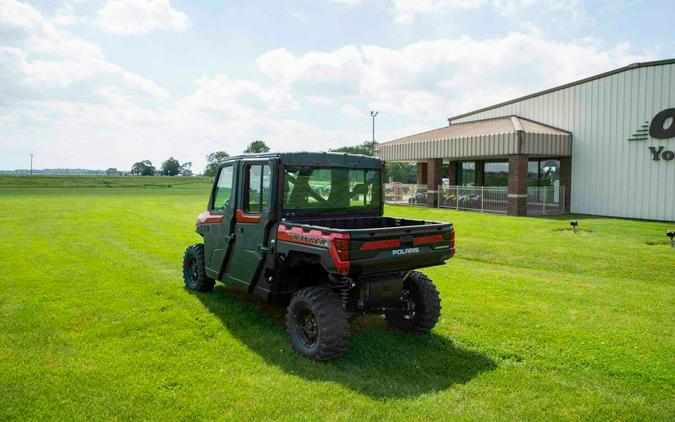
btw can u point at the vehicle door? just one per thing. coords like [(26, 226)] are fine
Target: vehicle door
[(252, 221), (220, 224)]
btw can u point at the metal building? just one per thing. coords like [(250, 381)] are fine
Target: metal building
[(604, 145)]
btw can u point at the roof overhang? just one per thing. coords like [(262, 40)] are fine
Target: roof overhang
[(483, 139)]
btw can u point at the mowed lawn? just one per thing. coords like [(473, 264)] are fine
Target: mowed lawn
[(538, 323)]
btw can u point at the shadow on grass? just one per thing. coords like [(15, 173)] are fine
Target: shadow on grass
[(381, 363)]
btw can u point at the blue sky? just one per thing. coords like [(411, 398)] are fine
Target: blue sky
[(101, 84)]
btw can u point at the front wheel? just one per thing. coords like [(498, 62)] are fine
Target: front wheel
[(194, 270), (317, 324), (423, 305)]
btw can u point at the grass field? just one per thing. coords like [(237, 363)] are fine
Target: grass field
[(538, 323)]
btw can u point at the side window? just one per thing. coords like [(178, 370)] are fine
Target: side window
[(257, 194), (223, 194)]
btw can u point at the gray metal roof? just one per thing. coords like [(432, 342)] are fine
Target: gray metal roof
[(489, 138)]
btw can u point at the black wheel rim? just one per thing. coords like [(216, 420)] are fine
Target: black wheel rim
[(306, 327), (408, 311), (194, 271)]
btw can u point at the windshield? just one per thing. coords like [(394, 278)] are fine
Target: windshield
[(331, 188)]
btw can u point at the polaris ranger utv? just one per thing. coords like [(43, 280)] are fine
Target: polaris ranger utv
[(306, 230)]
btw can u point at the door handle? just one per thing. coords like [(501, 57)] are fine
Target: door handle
[(263, 249)]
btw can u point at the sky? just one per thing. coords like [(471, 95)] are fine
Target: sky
[(99, 84)]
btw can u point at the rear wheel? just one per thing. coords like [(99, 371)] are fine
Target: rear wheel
[(422, 303), (317, 324), (194, 270)]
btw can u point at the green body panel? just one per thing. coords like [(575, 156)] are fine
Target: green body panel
[(217, 236), (250, 243)]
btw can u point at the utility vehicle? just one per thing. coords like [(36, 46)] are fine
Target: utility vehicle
[(306, 230)]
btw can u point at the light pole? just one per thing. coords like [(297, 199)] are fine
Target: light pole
[(31, 164), (374, 114)]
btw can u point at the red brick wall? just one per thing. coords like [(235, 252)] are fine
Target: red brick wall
[(421, 173), (452, 173), (517, 202), (434, 175)]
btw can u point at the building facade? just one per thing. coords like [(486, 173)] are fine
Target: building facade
[(608, 142)]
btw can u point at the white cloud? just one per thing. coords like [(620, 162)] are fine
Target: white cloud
[(239, 98), (563, 13), (444, 76), (110, 117), (319, 100), (348, 2), (328, 69), (116, 134), (351, 112), (136, 17), (41, 54), (404, 11), (407, 9)]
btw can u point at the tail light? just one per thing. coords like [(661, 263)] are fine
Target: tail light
[(341, 246), (452, 242)]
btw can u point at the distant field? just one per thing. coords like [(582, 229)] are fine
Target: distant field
[(57, 181), (538, 323)]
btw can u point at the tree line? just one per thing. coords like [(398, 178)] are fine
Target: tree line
[(397, 172), (170, 167)]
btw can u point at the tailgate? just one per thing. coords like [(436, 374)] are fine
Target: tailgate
[(401, 248)]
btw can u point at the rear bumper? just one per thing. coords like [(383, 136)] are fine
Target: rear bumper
[(405, 260)]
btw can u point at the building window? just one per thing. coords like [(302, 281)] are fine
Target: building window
[(496, 173), (544, 172), (549, 172), (466, 173)]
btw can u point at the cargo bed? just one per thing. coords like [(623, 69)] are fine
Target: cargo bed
[(379, 244)]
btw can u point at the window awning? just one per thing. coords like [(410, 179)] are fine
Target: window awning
[(481, 139)]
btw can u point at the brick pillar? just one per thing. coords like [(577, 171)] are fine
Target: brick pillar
[(452, 173), (479, 175), (566, 180), (421, 174), (434, 169), (517, 198)]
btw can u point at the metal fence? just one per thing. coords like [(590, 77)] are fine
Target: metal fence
[(475, 198), (545, 200), (405, 194), (493, 199)]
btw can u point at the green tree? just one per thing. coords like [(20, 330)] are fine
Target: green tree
[(186, 169), (256, 147), (366, 148), (400, 172), (143, 168), (397, 172), (170, 167), (214, 161)]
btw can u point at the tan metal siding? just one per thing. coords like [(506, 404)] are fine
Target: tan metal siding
[(610, 175), (482, 146)]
